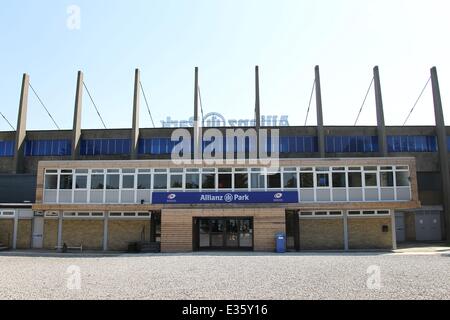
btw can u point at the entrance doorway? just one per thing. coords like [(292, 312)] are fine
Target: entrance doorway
[(223, 233)]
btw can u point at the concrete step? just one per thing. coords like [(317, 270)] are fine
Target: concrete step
[(150, 247), (2, 248)]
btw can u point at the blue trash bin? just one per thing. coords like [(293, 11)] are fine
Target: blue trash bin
[(280, 240)]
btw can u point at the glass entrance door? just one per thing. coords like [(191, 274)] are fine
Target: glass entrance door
[(225, 233)]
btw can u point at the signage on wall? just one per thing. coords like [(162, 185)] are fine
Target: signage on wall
[(224, 197)]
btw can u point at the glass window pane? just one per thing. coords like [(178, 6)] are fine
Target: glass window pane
[(80, 182), (97, 181), (192, 181), (51, 182), (258, 181), (128, 182), (274, 181), (371, 179), (176, 181), (354, 180), (402, 179), (112, 181), (65, 182), (160, 181), (225, 181), (339, 180), (290, 180), (323, 180), (241, 180), (306, 180), (209, 181), (387, 179), (144, 181)]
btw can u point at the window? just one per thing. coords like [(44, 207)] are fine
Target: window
[(339, 180), (128, 179), (290, 180), (306, 180), (92, 147), (97, 180), (112, 179), (354, 179), (144, 179), (155, 146), (370, 179), (412, 143), (192, 179), (208, 179), (7, 148), (241, 179), (225, 179), (323, 179), (37, 148), (402, 178), (65, 180), (273, 180), (387, 179), (51, 181), (176, 178), (346, 144), (258, 180), (160, 179)]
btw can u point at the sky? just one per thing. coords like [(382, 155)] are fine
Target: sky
[(167, 39)]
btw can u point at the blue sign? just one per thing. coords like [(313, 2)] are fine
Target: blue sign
[(224, 197)]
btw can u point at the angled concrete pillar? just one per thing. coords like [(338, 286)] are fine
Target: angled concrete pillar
[(257, 111), (76, 131), (380, 113), (320, 128), (442, 144), (21, 129), (135, 125), (197, 121), (105, 231)]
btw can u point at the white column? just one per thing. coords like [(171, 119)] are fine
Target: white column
[(346, 230), (393, 230), (105, 231), (60, 229), (16, 223)]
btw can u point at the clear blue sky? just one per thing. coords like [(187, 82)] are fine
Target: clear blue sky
[(225, 39)]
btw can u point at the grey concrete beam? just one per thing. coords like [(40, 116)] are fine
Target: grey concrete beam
[(442, 144), (380, 113), (197, 121), (21, 129), (257, 111), (320, 128), (76, 130), (135, 123)]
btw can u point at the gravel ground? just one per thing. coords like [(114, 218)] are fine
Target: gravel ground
[(227, 276)]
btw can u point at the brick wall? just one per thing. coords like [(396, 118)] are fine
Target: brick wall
[(6, 232), (50, 234), (367, 233), (24, 234), (121, 232), (322, 234), (89, 233)]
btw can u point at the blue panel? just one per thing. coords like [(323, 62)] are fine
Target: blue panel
[(155, 146), (141, 146), (308, 145), (329, 144), (284, 145), (224, 197), (448, 144)]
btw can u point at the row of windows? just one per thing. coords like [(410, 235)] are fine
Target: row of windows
[(6, 148), (94, 147), (412, 144), (346, 144), (163, 146), (228, 178), (48, 148)]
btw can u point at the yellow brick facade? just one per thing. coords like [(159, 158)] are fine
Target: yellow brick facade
[(88, 233), (6, 232), (121, 232), (322, 234), (24, 232), (50, 234), (367, 233)]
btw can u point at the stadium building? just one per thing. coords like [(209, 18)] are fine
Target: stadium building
[(333, 188)]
